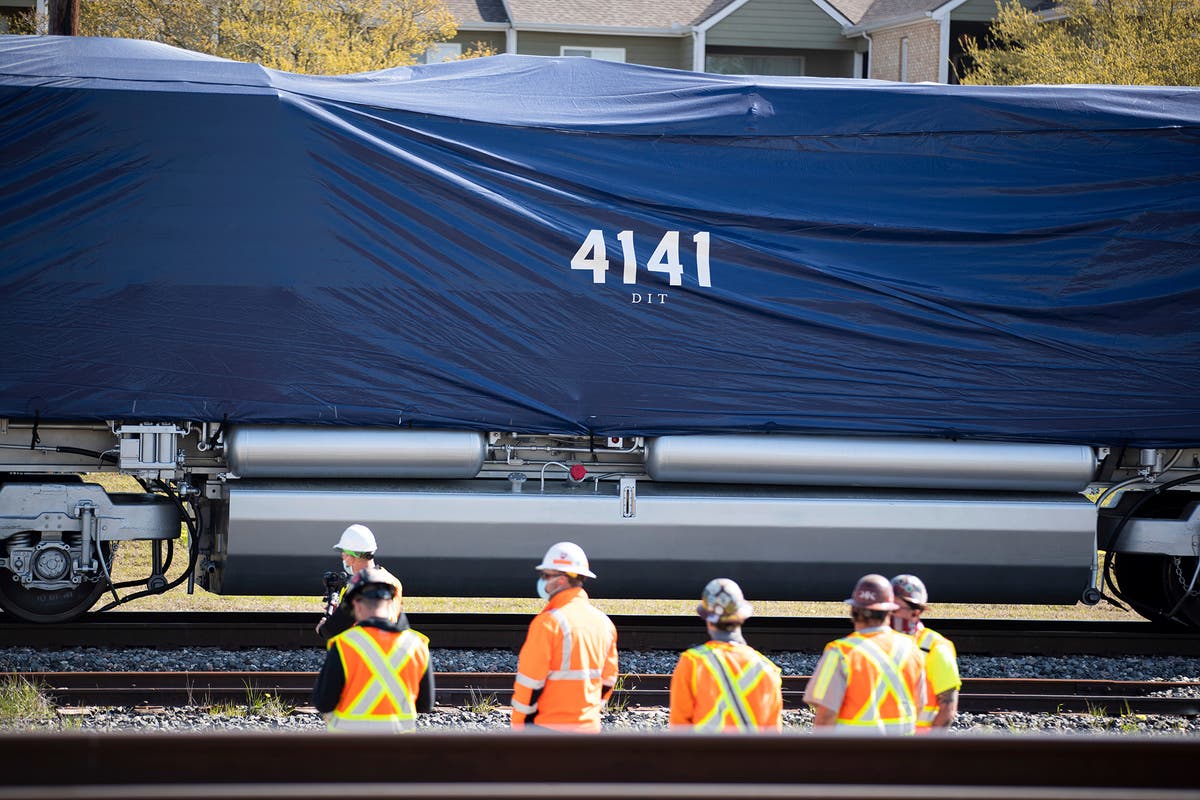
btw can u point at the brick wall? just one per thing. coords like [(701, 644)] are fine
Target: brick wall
[(924, 46)]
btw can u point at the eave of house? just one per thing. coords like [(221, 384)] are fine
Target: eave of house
[(608, 30), (483, 26)]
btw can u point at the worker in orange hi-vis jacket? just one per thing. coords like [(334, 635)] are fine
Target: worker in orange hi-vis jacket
[(872, 681), (568, 664), (725, 684)]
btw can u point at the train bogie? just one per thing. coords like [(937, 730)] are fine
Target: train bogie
[(459, 512)]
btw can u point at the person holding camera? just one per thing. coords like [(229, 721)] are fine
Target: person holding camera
[(357, 546), (377, 675)]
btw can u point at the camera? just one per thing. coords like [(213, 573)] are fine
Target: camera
[(334, 580)]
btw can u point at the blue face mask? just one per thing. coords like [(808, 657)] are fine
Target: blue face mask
[(541, 589), (349, 570)]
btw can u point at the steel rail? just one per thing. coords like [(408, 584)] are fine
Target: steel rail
[(585, 791), (540, 765), (979, 695), (290, 630)]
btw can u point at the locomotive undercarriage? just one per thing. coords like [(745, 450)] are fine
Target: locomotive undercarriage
[(458, 513)]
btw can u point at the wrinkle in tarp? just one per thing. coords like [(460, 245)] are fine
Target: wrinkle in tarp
[(190, 238)]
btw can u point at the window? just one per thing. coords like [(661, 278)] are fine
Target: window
[(443, 51), (748, 64), (600, 53), (904, 59)]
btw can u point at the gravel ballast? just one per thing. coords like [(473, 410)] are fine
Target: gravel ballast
[(494, 718)]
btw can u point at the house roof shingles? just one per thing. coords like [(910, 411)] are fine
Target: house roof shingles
[(662, 14), (468, 11), (853, 10), (887, 9)]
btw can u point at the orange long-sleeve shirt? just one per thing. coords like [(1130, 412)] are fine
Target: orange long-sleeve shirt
[(567, 666)]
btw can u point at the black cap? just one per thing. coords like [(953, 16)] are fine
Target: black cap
[(378, 591), (372, 583)]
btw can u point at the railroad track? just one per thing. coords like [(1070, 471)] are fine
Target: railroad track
[(231, 630), (979, 695), (300, 766)]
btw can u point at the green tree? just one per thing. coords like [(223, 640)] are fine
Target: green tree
[(25, 22), (477, 50), (322, 37), (1149, 42)]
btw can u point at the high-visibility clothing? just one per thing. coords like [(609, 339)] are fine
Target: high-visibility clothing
[(726, 686), (941, 672), (383, 672), (874, 679), (567, 666)]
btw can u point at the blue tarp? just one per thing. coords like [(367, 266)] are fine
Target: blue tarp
[(184, 237)]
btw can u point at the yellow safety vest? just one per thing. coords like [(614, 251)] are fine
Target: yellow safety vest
[(941, 673)]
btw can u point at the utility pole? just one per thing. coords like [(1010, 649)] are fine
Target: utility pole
[(63, 17)]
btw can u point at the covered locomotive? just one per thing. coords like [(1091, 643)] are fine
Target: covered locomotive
[(783, 329)]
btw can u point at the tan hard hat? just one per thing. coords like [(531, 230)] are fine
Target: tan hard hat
[(911, 589), (723, 601), (874, 593)]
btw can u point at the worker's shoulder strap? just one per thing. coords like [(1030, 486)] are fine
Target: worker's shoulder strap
[(889, 665), (928, 639)]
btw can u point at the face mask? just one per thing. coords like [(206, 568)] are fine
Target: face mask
[(909, 626), (349, 570), (541, 589)]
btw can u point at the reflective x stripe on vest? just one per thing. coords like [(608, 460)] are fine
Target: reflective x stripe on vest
[(356, 713), (564, 672), (889, 682), (733, 700)]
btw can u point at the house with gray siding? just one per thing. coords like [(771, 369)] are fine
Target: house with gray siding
[(899, 40)]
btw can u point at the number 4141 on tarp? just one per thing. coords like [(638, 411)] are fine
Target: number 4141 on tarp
[(593, 255)]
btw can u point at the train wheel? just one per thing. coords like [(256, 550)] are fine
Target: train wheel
[(55, 605), (1140, 579), (1176, 582)]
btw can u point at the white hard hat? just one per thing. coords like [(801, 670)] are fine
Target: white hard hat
[(566, 557), (358, 539)]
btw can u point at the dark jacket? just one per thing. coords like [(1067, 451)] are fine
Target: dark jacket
[(339, 620)]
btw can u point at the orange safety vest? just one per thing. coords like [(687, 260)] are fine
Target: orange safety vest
[(570, 658), (885, 681), (726, 686), (383, 672), (939, 677)]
